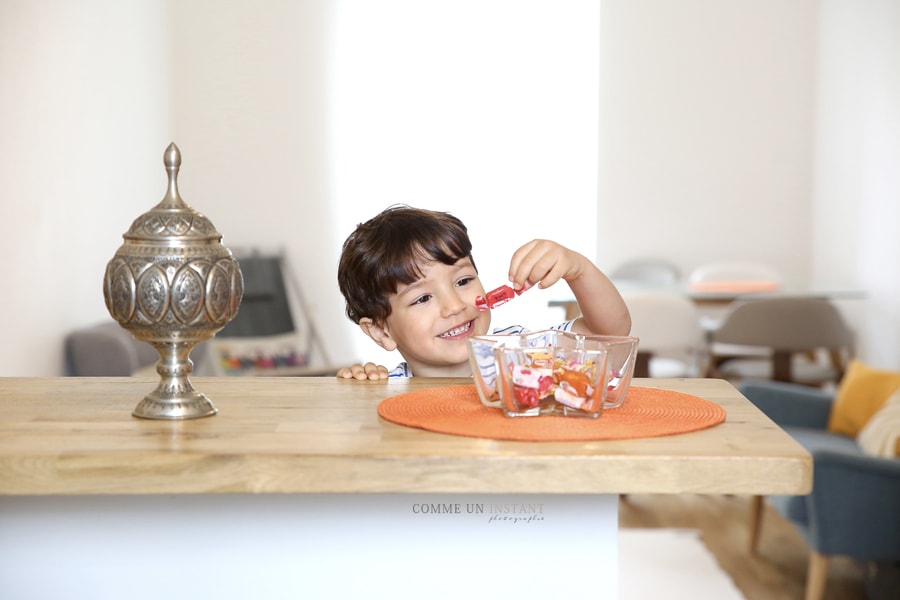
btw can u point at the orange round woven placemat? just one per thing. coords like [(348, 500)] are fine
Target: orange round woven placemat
[(457, 410)]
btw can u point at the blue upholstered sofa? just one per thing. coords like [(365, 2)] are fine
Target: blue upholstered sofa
[(854, 507)]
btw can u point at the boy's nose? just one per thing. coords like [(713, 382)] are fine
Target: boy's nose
[(453, 304)]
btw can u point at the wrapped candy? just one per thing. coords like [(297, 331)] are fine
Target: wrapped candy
[(545, 378), (498, 296)]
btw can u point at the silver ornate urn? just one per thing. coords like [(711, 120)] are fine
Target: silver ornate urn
[(173, 284)]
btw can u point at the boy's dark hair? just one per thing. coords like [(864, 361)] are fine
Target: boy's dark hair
[(388, 249)]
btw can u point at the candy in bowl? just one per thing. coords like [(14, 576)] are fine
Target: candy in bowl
[(552, 372)]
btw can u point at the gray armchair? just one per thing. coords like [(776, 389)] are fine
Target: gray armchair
[(106, 350), (854, 507)]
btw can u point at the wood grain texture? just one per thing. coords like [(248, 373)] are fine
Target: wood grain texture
[(323, 435)]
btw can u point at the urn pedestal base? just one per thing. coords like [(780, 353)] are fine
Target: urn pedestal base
[(174, 398), (191, 406)]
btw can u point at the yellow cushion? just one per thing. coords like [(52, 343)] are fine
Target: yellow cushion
[(862, 392)]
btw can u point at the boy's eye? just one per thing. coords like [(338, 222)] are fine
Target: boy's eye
[(422, 299), (465, 281)]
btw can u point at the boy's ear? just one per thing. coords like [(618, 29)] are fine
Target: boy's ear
[(378, 333)]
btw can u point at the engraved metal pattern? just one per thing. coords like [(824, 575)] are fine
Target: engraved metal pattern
[(173, 284)]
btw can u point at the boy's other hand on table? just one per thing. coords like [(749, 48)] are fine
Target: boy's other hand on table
[(369, 371)]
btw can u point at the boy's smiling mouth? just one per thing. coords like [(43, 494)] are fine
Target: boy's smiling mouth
[(457, 332)]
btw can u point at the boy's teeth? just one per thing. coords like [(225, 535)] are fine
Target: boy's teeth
[(457, 331)]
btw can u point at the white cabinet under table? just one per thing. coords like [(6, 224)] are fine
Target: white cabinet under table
[(297, 489)]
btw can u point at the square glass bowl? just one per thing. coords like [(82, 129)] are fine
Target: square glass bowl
[(552, 372)]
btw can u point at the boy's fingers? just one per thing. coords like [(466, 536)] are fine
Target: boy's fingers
[(537, 261), (373, 371), (522, 263), (363, 372)]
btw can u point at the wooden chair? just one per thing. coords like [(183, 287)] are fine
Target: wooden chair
[(671, 336), (650, 272), (793, 331), (734, 277)]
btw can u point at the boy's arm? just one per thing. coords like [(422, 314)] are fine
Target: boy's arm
[(603, 310)]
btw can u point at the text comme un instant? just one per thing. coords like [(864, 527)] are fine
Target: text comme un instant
[(456, 508)]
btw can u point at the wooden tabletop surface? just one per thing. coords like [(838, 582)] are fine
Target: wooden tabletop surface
[(323, 435)]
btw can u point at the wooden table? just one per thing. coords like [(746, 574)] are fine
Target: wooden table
[(305, 468)]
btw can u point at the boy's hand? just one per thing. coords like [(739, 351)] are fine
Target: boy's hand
[(546, 262), (369, 371), (603, 311)]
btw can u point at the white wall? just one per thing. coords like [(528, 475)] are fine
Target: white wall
[(84, 120), (709, 143), (301, 121), (706, 132), (856, 208), (483, 108), (250, 104)]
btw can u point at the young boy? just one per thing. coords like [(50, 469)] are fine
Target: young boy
[(410, 283)]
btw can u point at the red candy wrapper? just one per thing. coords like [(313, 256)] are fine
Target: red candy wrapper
[(496, 297)]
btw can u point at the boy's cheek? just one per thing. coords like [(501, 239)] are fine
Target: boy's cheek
[(473, 293), (483, 322)]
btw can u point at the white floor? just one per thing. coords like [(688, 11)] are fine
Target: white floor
[(672, 564)]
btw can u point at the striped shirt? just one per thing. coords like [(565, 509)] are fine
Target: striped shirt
[(402, 370)]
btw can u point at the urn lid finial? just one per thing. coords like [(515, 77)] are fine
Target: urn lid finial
[(172, 219), (172, 156), (172, 160)]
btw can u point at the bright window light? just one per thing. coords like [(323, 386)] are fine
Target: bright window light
[(487, 109)]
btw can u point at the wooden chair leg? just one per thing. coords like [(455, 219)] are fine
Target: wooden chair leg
[(781, 366), (816, 576), (642, 364), (756, 512)]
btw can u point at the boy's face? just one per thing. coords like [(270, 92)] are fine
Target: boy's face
[(432, 319)]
